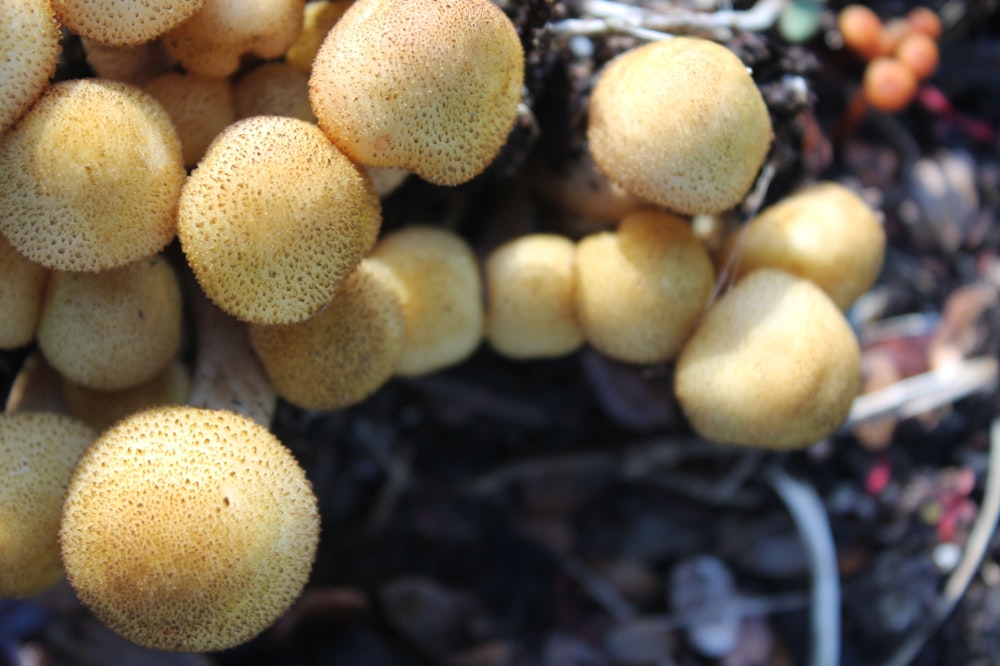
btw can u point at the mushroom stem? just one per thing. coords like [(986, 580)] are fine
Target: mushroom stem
[(227, 374)]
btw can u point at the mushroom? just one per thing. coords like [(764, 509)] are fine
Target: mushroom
[(90, 177), (432, 87), (640, 290), (343, 354), (113, 329), (212, 40), (135, 65), (22, 286), (100, 409), (274, 89), (530, 311), (824, 233), (773, 364), (274, 218), (680, 122), (123, 22), (38, 451), (29, 51), (440, 289), (317, 19), (200, 108), (188, 529)]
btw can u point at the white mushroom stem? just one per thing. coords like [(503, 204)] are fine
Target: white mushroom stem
[(227, 374)]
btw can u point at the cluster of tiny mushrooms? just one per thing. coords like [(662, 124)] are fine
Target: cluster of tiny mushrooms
[(192, 528)]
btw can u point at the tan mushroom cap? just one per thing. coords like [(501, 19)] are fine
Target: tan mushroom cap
[(774, 365), (680, 123), (188, 529), (274, 218), (640, 290), (200, 108), (100, 409), (824, 233), (274, 89), (529, 294), (318, 18), (441, 293), (38, 451), (213, 40), (29, 51), (113, 329), (123, 22), (135, 65), (432, 87), (90, 177), (22, 287), (342, 355)]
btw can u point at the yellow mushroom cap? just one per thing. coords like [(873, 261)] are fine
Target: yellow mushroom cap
[(640, 290), (90, 177), (428, 86), (274, 218), (113, 329), (100, 409), (342, 355), (680, 123), (440, 289), (29, 51), (200, 108), (824, 233), (38, 451), (188, 529), (211, 42), (22, 287), (774, 364), (317, 19), (123, 22), (274, 89), (530, 310)]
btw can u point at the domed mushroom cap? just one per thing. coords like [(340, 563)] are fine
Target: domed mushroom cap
[(530, 307), (200, 108), (211, 42), (342, 355), (113, 329), (22, 288), (38, 451), (100, 409), (317, 19), (441, 293), (680, 123), (431, 87), (640, 290), (188, 529), (29, 51), (130, 64), (274, 89), (90, 177), (824, 233), (123, 22), (774, 364), (274, 218)]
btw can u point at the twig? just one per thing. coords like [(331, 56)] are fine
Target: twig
[(972, 557), (608, 16), (814, 529), (925, 392), (599, 590)]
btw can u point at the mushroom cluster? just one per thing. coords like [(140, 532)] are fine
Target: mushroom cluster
[(190, 528)]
